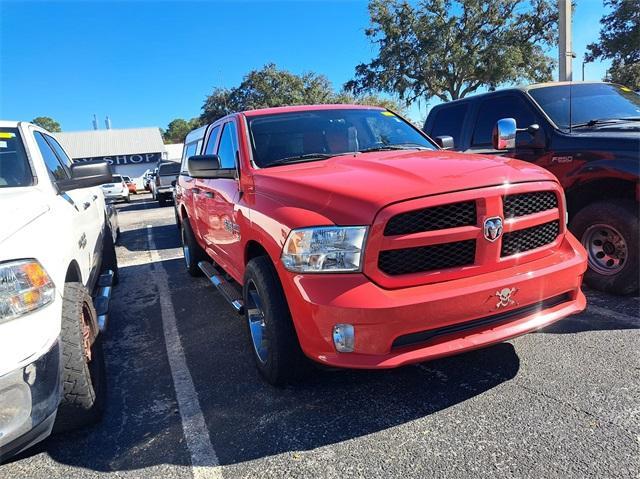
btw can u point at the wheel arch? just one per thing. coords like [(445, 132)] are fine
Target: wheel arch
[(588, 192)]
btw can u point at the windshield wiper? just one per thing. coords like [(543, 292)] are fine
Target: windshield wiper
[(404, 146), (603, 121), (306, 157)]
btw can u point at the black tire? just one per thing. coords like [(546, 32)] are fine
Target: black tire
[(109, 257), (83, 380), (175, 213), (285, 362), (128, 199), (194, 254), (622, 216)]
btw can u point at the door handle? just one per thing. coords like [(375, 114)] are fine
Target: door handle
[(208, 194), (94, 197), (195, 191), (86, 205)]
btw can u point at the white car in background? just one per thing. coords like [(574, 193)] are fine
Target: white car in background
[(117, 190)]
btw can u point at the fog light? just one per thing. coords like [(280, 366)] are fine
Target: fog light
[(343, 337)]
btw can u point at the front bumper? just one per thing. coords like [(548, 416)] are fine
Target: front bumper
[(388, 321), (29, 398)]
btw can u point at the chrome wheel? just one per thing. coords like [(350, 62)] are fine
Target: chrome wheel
[(185, 249), (606, 247), (257, 326)]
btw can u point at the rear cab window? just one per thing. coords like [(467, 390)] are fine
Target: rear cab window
[(448, 121), (169, 169), (14, 165)]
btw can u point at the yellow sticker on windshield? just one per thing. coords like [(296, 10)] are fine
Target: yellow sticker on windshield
[(6, 134), (387, 113), (624, 88)]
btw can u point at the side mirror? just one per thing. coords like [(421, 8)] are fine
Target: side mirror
[(504, 134), (86, 174), (531, 137), (445, 142), (208, 166)]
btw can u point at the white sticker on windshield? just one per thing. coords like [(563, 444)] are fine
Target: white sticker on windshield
[(3, 144)]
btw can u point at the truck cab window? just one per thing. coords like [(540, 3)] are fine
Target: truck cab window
[(449, 121), (227, 148), (493, 109), (51, 161), (211, 142)]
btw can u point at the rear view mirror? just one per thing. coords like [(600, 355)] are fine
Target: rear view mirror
[(504, 134), (208, 166), (86, 174), (445, 142)]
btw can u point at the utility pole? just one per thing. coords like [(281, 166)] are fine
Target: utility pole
[(565, 47)]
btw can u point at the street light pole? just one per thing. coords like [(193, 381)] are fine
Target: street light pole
[(565, 49)]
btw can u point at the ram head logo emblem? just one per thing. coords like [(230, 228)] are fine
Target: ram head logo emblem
[(493, 228)]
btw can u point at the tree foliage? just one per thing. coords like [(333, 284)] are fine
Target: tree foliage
[(450, 48), (47, 123), (178, 129), (620, 42), (271, 87)]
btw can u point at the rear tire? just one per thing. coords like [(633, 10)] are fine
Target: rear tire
[(278, 356), (192, 251), (616, 239), (83, 373)]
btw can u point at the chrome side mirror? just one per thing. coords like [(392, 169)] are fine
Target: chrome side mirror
[(504, 134), (445, 142)]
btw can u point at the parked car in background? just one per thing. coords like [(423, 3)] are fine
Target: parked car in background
[(588, 135), (117, 189), (148, 178), (57, 266), (353, 240), (130, 185), (164, 181)]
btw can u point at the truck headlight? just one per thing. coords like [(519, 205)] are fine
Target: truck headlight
[(324, 249), (24, 286)]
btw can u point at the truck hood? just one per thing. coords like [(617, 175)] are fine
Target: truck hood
[(352, 189), (18, 208)]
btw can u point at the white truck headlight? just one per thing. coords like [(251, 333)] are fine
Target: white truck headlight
[(24, 286), (324, 249)]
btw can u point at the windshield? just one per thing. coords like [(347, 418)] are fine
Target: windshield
[(589, 101), (117, 178), (319, 134), (14, 166), (169, 169)]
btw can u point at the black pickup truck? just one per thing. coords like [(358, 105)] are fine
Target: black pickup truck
[(588, 135)]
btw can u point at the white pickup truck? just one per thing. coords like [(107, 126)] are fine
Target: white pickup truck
[(57, 267)]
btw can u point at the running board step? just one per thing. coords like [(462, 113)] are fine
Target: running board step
[(228, 292)]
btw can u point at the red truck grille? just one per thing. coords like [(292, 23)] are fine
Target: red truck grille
[(440, 238), (431, 219)]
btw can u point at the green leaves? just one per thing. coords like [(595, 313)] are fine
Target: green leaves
[(178, 129), (47, 123), (271, 87), (620, 41), (450, 48)]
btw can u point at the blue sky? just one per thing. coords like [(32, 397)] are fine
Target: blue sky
[(144, 63)]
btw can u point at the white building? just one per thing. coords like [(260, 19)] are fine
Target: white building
[(130, 151)]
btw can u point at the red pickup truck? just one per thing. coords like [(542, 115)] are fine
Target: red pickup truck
[(344, 234)]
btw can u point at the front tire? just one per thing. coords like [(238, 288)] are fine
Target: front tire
[(83, 373), (609, 232), (273, 338)]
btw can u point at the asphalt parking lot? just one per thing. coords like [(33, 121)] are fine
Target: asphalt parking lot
[(185, 399)]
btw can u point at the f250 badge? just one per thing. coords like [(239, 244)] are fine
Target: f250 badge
[(505, 297)]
